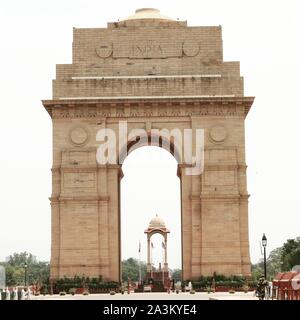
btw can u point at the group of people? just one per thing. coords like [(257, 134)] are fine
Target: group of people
[(14, 294)]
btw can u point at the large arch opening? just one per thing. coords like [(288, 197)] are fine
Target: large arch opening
[(150, 186)]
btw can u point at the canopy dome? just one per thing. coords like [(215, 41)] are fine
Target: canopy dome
[(157, 223)]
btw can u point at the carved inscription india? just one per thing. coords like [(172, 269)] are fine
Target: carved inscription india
[(148, 49)]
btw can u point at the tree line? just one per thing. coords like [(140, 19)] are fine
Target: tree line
[(280, 259)]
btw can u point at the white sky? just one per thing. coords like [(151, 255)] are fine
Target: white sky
[(150, 186), (36, 35)]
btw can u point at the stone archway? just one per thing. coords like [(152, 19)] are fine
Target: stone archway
[(141, 190), (159, 73)]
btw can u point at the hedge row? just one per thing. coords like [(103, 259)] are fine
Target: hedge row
[(65, 284), (223, 281)]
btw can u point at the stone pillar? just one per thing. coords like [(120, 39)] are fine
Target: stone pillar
[(55, 223), (195, 200), (166, 254), (149, 266), (186, 222), (244, 242), (114, 221), (196, 240), (103, 214), (55, 235), (103, 235), (244, 231)]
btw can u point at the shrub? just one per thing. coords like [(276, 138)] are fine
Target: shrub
[(65, 284), (208, 289), (219, 277), (3, 295), (44, 289), (221, 280), (72, 291), (245, 288)]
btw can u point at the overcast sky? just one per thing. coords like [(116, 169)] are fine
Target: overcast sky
[(36, 35)]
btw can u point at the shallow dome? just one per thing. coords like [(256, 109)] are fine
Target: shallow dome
[(147, 13), (157, 223)]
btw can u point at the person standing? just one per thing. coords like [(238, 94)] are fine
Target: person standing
[(261, 288), (15, 291), (7, 294), (22, 294)]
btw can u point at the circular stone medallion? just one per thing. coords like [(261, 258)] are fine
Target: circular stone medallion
[(191, 48), (104, 50), (78, 136), (218, 133)]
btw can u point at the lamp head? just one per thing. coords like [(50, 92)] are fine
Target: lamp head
[(264, 240)]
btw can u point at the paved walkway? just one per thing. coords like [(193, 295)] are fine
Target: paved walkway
[(154, 296)]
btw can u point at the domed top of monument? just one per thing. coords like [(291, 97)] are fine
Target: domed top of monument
[(147, 17), (147, 13), (157, 223)]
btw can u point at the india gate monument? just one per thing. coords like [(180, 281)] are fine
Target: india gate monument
[(151, 73)]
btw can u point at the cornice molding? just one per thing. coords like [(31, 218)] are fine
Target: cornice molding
[(156, 107)]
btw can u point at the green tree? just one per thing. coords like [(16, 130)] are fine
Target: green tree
[(280, 259), (273, 265), (290, 254), (14, 275), (19, 259), (130, 269), (37, 271), (177, 275), (274, 261)]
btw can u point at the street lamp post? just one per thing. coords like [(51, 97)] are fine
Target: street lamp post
[(264, 244), (25, 277)]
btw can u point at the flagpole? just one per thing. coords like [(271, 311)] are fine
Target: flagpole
[(151, 259), (140, 270), (163, 268)]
